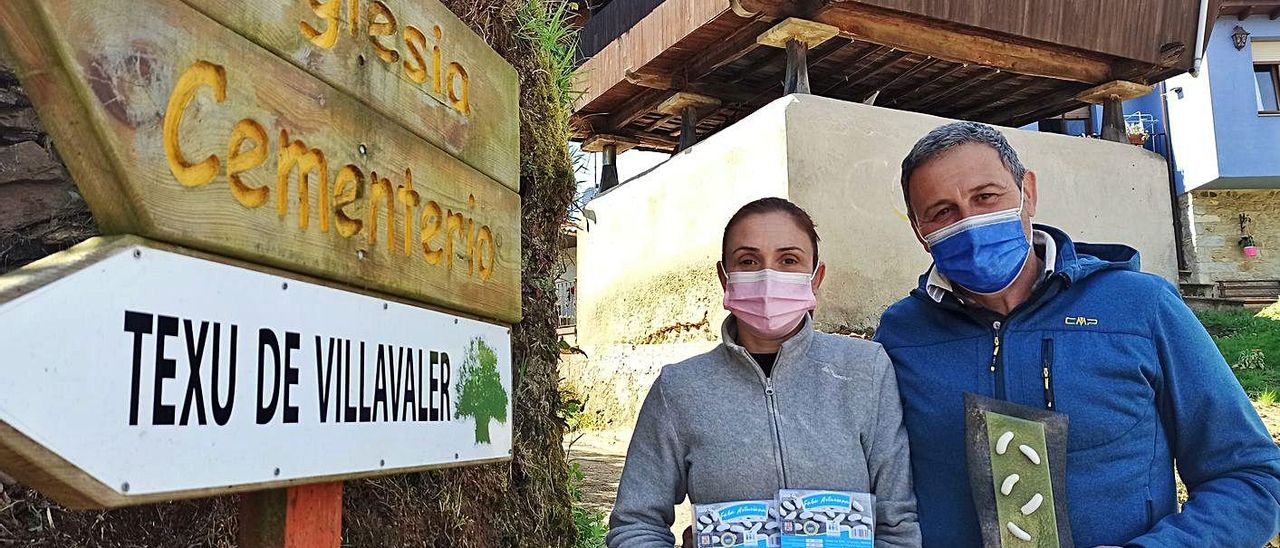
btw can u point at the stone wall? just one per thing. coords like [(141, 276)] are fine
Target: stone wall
[(1213, 231), (40, 210)]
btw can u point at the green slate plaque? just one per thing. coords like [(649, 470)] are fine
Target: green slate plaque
[(1017, 471)]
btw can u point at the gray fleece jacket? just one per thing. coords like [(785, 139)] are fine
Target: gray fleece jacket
[(715, 428)]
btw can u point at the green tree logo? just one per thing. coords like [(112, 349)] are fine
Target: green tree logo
[(479, 389)]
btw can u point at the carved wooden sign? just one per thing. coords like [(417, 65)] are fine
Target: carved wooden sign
[(138, 372), (368, 142), (413, 61)]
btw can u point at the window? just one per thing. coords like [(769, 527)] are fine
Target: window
[(1267, 77), (1266, 74)]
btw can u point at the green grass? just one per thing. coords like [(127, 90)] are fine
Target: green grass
[(590, 523), (1251, 345)]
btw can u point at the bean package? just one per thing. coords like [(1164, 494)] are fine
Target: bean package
[(796, 519)]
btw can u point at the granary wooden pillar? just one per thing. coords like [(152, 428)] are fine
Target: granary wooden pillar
[(1113, 127), (797, 80), (610, 146), (797, 36), (688, 127), (686, 105), (1112, 95)]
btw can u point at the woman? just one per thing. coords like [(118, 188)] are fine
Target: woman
[(776, 405)]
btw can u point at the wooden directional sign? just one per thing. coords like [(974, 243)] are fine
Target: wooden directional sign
[(180, 129), (137, 372), (412, 60)]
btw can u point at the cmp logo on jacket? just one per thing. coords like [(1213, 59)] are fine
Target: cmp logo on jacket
[(1080, 320)]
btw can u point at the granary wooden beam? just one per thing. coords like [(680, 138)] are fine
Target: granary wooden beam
[(655, 81), (937, 78), (733, 47), (944, 93), (1034, 108), (887, 62), (639, 105), (925, 37)]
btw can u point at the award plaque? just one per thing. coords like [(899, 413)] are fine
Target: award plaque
[(1017, 459)]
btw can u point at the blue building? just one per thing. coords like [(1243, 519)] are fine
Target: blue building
[(1219, 128)]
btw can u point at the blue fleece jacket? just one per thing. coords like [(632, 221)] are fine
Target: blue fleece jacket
[(1138, 377)]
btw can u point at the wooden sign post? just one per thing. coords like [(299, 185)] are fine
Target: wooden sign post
[(317, 264)]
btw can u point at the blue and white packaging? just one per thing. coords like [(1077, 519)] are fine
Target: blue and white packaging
[(826, 519), (748, 523)]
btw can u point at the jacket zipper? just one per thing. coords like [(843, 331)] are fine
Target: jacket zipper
[(1046, 370), (997, 369), (777, 430)]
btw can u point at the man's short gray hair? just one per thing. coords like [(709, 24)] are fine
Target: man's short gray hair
[(944, 138)]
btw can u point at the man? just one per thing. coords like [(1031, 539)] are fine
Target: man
[(1019, 312)]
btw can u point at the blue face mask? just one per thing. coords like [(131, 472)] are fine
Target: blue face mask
[(983, 253)]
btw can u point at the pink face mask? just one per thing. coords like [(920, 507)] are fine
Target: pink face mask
[(772, 303)]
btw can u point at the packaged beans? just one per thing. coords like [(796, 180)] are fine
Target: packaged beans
[(751, 523), (826, 519)]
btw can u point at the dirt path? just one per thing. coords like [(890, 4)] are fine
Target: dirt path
[(602, 455)]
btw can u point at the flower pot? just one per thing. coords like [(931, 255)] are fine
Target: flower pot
[(1250, 251)]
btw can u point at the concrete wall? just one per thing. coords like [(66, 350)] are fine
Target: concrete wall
[(646, 266), (1214, 230), (844, 168), (646, 269)]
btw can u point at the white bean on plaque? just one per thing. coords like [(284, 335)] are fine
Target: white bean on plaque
[(723, 527), (806, 515), (1006, 486), (1032, 505), (1002, 444), (867, 520), (857, 506), (1017, 531), (854, 517), (1030, 453)]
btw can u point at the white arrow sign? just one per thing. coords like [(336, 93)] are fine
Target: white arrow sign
[(134, 372)]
